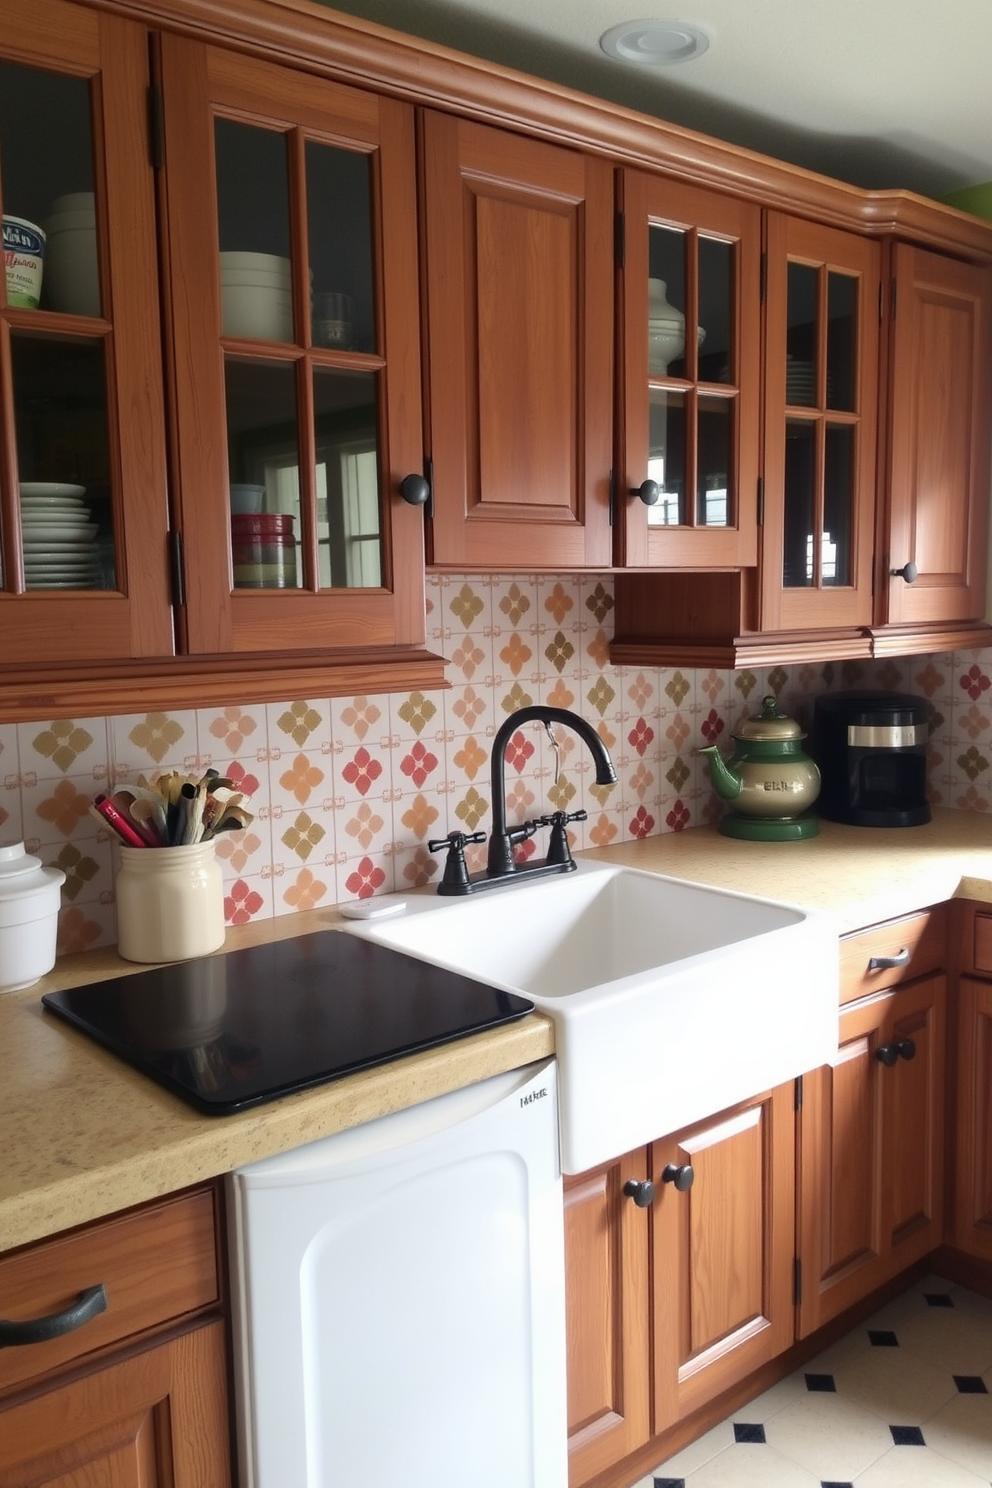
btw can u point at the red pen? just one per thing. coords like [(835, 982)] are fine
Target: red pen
[(120, 824)]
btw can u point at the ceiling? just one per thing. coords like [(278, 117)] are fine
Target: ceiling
[(881, 93)]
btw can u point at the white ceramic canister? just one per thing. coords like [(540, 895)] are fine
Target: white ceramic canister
[(72, 273), (170, 902), (23, 256), (30, 895)]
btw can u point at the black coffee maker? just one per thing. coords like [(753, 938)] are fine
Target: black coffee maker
[(871, 749)]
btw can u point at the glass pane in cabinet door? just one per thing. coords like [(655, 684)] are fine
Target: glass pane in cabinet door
[(339, 232), (263, 451), (801, 349), (716, 311), (47, 182), (800, 504), (349, 525), (256, 287), (838, 503), (60, 417), (666, 456), (842, 333), (666, 301), (715, 462)]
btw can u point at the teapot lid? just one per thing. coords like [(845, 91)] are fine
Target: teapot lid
[(769, 725)]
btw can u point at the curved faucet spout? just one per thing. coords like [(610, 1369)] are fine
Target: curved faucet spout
[(501, 861)]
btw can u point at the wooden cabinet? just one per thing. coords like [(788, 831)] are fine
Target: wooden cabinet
[(688, 403), (970, 1228), (518, 246), (136, 1394), (678, 1276), (931, 548), (722, 1252), (608, 1315), (83, 547), (872, 1121)]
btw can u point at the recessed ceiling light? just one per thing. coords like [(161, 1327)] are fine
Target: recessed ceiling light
[(654, 43)]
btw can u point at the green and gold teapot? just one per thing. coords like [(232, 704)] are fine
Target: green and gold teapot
[(769, 779)]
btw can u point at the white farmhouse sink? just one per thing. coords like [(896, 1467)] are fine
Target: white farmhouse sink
[(670, 1000)]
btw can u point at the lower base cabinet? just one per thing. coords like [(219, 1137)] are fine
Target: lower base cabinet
[(679, 1274)]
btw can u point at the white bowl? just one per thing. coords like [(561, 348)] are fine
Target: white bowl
[(270, 262), (253, 279), (246, 499), (262, 314)]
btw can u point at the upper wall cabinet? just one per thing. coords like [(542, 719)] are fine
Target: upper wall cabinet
[(519, 324), (691, 371), (83, 504), (934, 520), (293, 293), (821, 390)]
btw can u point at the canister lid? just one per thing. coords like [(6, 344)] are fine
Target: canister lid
[(769, 724), (20, 873)]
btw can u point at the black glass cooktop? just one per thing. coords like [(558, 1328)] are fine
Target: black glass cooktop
[(231, 1031)]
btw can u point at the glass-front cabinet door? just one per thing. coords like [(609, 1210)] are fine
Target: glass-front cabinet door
[(821, 373), (83, 500), (296, 383), (687, 493)]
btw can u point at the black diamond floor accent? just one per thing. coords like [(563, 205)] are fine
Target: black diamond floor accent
[(907, 1436), (882, 1338), (970, 1384), (822, 1382), (747, 1433), (669, 1483), (831, 1484), (938, 1299)]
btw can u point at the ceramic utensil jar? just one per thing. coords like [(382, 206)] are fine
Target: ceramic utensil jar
[(170, 903)]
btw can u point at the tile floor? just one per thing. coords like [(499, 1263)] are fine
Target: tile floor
[(901, 1402)]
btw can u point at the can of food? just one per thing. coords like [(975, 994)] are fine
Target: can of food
[(23, 257)]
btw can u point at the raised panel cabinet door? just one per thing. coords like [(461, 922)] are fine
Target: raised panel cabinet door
[(913, 1095), (83, 492), (940, 402), (973, 1146), (722, 1251), (158, 1419), (820, 426), (690, 377), (519, 285), (291, 212), (607, 1315)]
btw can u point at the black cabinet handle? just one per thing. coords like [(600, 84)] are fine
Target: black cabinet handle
[(682, 1177), (889, 963), (57, 1324), (887, 1054), (648, 491), (642, 1193), (415, 490)]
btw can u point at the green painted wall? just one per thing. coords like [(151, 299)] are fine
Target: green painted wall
[(974, 199)]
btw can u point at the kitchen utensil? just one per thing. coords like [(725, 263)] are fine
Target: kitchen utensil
[(769, 779), (29, 913)]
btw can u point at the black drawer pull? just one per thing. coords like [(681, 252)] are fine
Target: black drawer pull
[(889, 963), (57, 1324)]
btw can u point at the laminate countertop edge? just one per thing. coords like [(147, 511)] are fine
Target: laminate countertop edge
[(83, 1136)]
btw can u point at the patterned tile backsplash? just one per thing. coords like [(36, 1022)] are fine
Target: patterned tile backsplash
[(347, 792)]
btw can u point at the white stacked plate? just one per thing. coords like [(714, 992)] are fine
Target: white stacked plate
[(58, 537), (800, 382), (256, 296)]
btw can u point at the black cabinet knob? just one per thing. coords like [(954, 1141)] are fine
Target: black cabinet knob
[(642, 1192), (887, 1054), (682, 1177), (909, 572), (648, 491), (415, 490)]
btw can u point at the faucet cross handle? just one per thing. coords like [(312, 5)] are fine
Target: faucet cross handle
[(558, 848), (455, 879)]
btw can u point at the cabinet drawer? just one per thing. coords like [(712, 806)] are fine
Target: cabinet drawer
[(155, 1265), (923, 936)]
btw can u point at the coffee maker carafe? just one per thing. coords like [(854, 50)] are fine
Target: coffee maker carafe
[(871, 748)]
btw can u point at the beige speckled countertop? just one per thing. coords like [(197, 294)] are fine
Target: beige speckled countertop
[(82, 1135)]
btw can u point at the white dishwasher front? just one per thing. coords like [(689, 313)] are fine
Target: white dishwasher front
[(399, 1299)]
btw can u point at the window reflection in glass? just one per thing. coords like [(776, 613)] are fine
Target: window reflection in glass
[(800, 504), (666, 456), (716, 310), (349, 526), (715, 460), (842, 330), (801, 349), (838, 503)]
